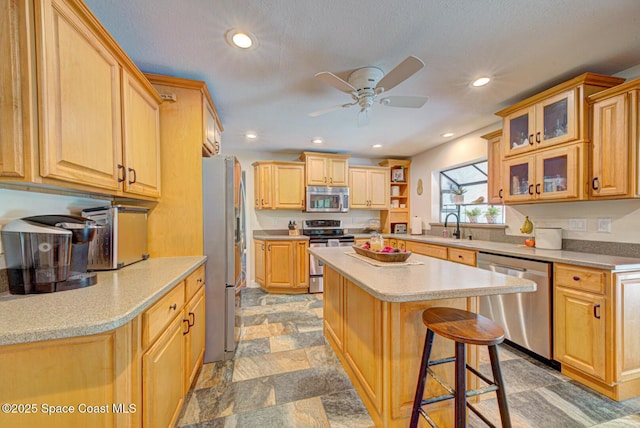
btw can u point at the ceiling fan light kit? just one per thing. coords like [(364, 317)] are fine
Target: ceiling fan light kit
[(366, 84)]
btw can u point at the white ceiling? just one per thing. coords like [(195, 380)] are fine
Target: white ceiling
[(526, 45)]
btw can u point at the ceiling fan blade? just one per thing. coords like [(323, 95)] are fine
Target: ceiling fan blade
[(328, 109), (333, 80), (404, 101), (364, 117), (403, 71)]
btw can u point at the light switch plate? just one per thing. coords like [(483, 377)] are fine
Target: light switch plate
[(578, 224), (604, 225)]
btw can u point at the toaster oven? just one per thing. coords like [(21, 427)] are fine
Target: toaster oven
[(122, 239)]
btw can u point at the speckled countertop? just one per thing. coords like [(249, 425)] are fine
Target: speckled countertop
[(614, 263), (434, 279), (117, 298), (278, 236)]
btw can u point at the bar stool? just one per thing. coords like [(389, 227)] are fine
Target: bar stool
[(463, 328)]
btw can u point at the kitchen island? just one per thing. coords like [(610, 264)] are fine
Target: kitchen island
[(372, 320)]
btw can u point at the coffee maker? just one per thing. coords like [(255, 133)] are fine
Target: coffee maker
[(48, 253)]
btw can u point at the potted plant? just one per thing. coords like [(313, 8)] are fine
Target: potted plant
[(458, 194), (491, 214), (473, 214)]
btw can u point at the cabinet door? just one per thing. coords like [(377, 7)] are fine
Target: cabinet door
[(494, 176), (338, 171), (263, 186), (556, 119), (518, 132), (259, 260), (579, 332), (163, 377), (519, 176), (316, 171), (558, 173), (333, 307), (194, 339), (79, 80), (611, 149), (358, 188), (288, 186), (279, 264), (378, 189), (141, 139), (302, 264), (210, 129), (15, 80)]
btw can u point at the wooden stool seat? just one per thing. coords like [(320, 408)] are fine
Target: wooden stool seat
[(463, 326)]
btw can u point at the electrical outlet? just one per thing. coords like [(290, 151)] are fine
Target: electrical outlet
[(578, 224), (604, 225)]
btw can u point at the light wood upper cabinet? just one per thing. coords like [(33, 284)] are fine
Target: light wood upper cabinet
[(279, 185), (81, 117), (494, 158), (553, 174), (141, 116), (18, 94), (368, 187), (556, 116), (326, 169), (212, 130), (615, 142)]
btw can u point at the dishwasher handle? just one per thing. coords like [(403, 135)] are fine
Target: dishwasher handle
[(495, 265)]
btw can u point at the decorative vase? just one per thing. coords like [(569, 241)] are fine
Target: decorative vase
[(458, 199), (473, 219), (491, 219)]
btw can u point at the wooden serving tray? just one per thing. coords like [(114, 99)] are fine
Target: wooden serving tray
[(382, 257)]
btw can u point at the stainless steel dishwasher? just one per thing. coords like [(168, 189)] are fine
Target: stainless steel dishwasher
[(525, 317)]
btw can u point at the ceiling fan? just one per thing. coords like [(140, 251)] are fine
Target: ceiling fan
[(365, 85)]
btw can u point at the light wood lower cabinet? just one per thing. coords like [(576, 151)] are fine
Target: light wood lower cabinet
[(135, 375), (282, 266), (437, 251), (380, 346), (163, 377), (596, 328)]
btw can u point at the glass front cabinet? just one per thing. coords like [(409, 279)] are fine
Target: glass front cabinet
[(546, 123), (553, 174)]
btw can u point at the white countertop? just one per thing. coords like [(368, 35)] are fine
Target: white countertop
[(117, 298), (434, 279)]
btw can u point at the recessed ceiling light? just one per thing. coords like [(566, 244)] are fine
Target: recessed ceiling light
[(481, 81), (240, 39), (317, 141), (447, 134), (377, 146), (251, 135)]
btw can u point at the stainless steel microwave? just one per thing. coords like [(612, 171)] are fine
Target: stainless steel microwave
[(327, 199)]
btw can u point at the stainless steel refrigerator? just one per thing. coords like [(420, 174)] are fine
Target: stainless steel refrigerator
[(224, 245)]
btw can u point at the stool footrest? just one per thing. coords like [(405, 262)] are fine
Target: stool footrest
[(437, 399), (442, 361)]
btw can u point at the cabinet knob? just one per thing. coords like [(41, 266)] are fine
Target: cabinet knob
[(184, 333), (576, 278), (531, 139), (192, 319), (538, 189), (330, 180), (531, 189), (199, 279), (538, 137), (596, 310), (174, 307), (269, 247), (594, 182), (500, 193)]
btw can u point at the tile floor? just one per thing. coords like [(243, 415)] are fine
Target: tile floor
[(285, 375)]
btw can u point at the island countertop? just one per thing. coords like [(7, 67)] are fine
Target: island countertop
[(433, 279), (117, 298)]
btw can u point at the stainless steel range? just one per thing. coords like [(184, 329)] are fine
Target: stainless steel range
[(323, 233)]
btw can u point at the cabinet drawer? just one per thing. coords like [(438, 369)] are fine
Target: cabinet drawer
[(158, 316), (466, 257), (193, 282), (580, 278), (436, 251)]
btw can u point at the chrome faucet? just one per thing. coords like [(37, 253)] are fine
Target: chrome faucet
[(456, 233)]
